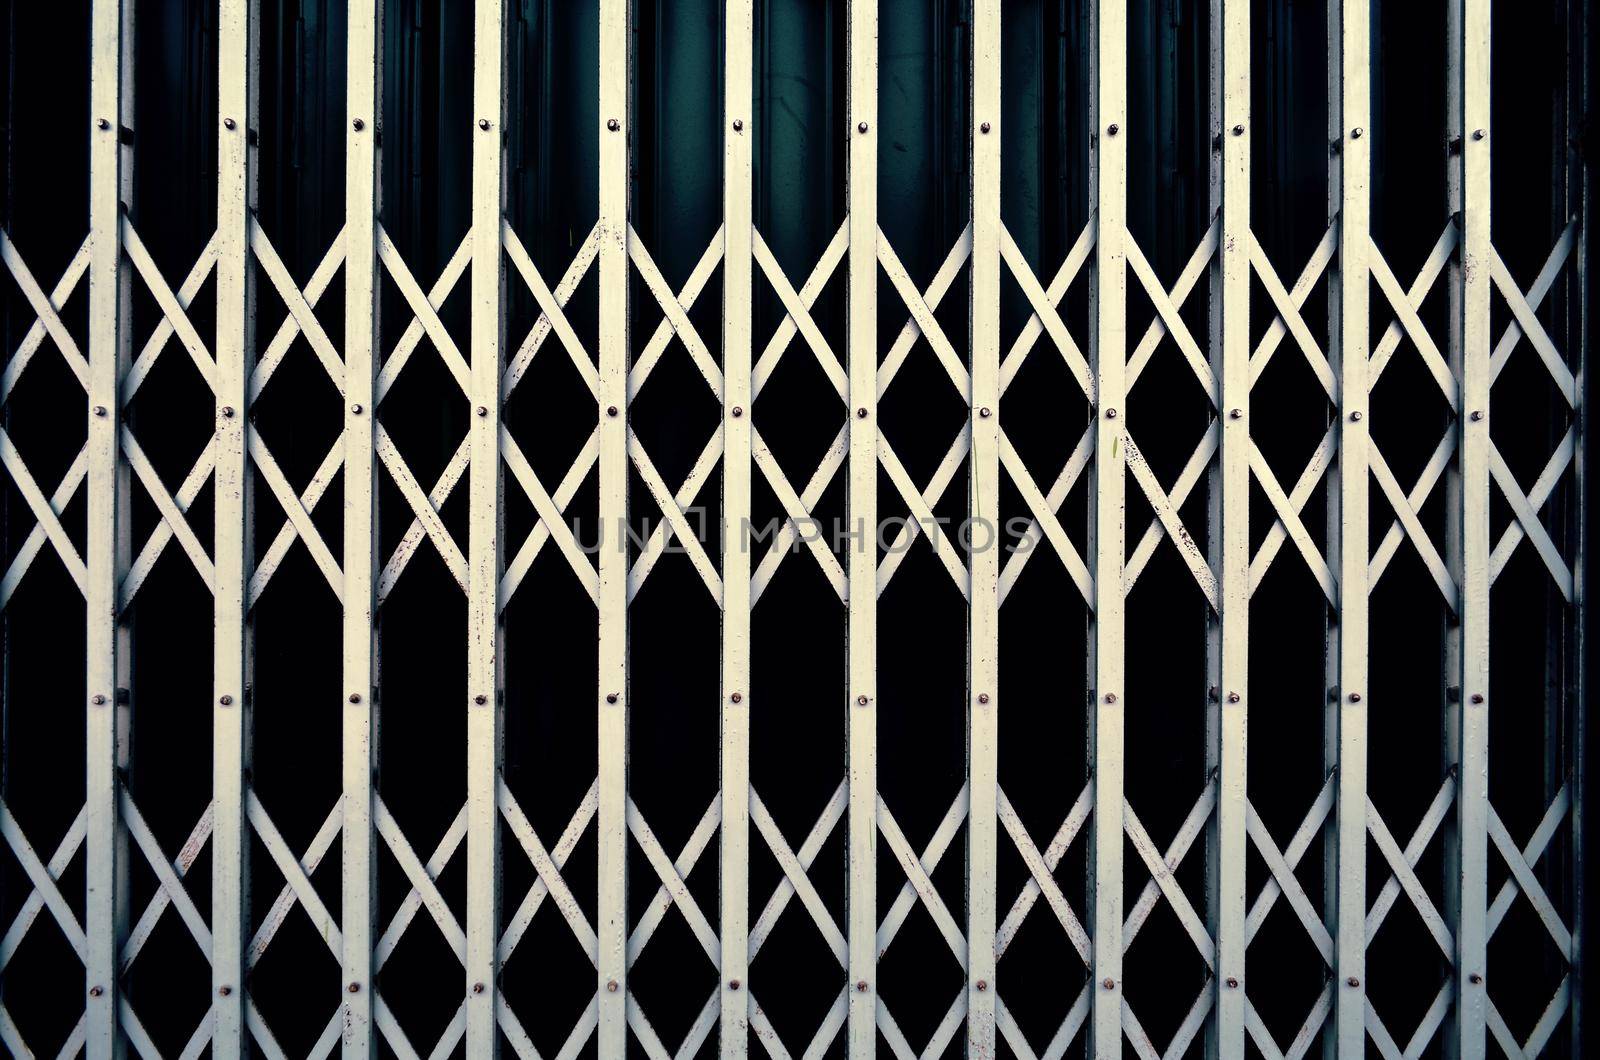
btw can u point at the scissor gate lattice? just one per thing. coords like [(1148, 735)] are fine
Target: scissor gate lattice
[(111, 889)]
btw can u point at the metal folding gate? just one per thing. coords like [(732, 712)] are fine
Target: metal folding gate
[(951, 239)]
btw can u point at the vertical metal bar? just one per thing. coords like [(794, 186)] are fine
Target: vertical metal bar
[(1472, 574), (110, 48), (484, 669), (362, 205), (861, 43), (1108, 185), (612, 700), (1230, 308), (737, 205), (1349, 105), (983, 633), (236, 115)]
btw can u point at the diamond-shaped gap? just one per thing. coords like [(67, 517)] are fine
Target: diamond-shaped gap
[(1289, 407), (1528, 414), (1408, 412), (46, 413), (43, 969), (921, 411), (296, 982), (548, 980), (1405, 967), (673, 975), (1523, 943), (175, 391), (422, 981), (169, 985), (1296, 973), (795, 977), (918, 976), (1167, 399)]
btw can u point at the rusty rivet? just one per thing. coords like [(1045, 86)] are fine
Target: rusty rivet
[(613, 124), (1477, 415), (1478, 134), (982, 985), (1212, 692), (738, 125), (737, 697), (611, 986), (228, 123), (103, 124), (1352, 981), (733, 984), (477, 988), (1111, 414), (861, 413), (983, 697), (357, 124), (224, 990), (1236, 414), (483, 410), (1233, 983), (984, 128), (737, 412), (611, 410), (1474, 978), (226, 701), (98, 701), (1109, 983), (1234, 697), (1477, 697), (984, 413), (96, 991), (356, 409), (1355, 417), (861, 986), (1111, 697), (355, 697), (480, 699), (483, 123), (1113, 129), (1355, 697), (354, 988), (1357, 133), (862, 127), (99, 410), (611, 697), (861, 701), (1238, 130), (227, 412)]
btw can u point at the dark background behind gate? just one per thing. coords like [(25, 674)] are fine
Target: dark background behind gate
[(799, 650)]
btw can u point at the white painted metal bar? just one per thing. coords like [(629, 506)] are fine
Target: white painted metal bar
[(737, 206), (358, 904), (861, 36), (236, 114), (485, 523), (616, 36), (110, 62), (983, 555), (1108, 290), (1228, 647), (1349, 71), (1471, 886)]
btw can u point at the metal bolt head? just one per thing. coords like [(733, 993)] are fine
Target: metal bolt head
[(477, 988), (1111, 414), (226, 701), (613, 124), (984, 413), (1478, 134), (482, 410), (357, 124), (861, 413), (983, 697), (99, 410), (224, 990), (1109, 983), (611, 697), (861, 127), (96, 991), (611, 410), (733, 984), (1113, 129), (1355, 417), (1236, 414), (1234, 697), (356, 409), (611, 986), (229, 123), (982, 985), (103, 124), (480, 699), (355, 697), (1352, 981), (736, 412), (1477, 415), (737, 697), (483, 123), (1233, 983), (227, 412), (1238, 130), (98, 701), (1477, 697), (1111, 697), (1357, 133), (1355, 697), (354, 988), (738, 126), (984, 128), (1474, 978), (861, 701), (861, 986)]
